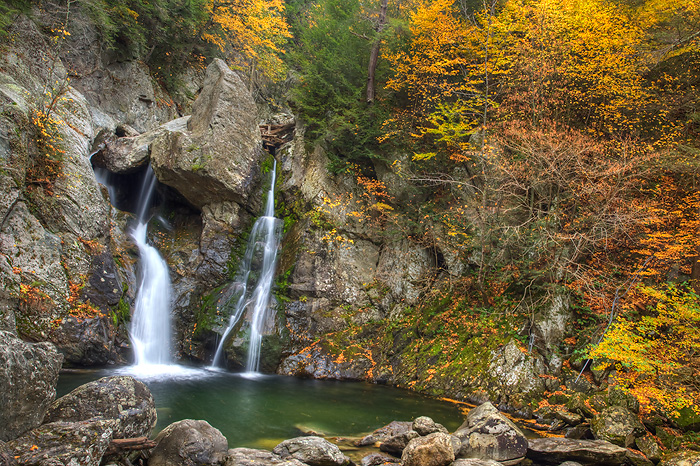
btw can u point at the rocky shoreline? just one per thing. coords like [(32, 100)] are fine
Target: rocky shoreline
[(110, 421)]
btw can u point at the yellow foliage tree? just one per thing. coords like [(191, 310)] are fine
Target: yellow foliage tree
[(657, 355), (255, 29)]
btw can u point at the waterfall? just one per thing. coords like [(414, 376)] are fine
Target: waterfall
[(150, 324), (258, 269)]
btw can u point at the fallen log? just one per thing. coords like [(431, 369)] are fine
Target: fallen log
[(120, 445)]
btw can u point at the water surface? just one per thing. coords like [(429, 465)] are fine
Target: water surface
[(261, 411)]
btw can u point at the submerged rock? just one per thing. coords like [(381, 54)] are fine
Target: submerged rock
[(488, 434), (432, 450), (314, 451), (189, 443), (64, 443), (558, 450), (28, 375), (120, 398)]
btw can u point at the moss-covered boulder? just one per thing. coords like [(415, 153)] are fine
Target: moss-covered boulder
[(617, 425)]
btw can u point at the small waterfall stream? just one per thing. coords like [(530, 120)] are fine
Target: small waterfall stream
[(258, 269), (150, 324)]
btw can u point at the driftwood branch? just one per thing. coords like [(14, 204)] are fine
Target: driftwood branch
[(121, 445), (274, 136)]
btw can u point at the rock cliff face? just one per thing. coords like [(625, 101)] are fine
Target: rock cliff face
[(55, 222), (68, 268)]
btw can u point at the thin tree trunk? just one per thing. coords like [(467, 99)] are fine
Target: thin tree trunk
[(374, 55)]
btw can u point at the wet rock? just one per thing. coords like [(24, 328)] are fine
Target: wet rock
[(397, 443), (189, 443), (558, 450), (570, 463), (617, 425), (384, 433), (378, 459), (314, 451), (318, 364), (681, 458), (28, 376), (217, 157), (488, 434), (87, 342), (426, 426), (64, 443), (120, 398), (649, 447), (251, 457), (432, 450)]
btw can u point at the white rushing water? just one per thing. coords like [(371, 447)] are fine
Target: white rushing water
[(151, 323), (252, 290)]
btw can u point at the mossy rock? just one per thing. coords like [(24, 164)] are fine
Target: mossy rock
[(617, 425), (688, 419), (618, 396)]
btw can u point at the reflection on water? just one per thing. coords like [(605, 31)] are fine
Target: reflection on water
[(263, 410)]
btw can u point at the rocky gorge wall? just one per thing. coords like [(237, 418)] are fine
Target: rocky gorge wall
[(69, 264)]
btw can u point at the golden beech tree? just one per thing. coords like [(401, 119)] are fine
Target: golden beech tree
[(657, 355), (255, 29)]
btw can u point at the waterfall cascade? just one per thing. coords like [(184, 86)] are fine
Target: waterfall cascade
[(252, 289), (150, 323)]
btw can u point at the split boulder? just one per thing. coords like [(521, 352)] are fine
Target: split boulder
[(314, 451), (189, 443), (488, 434), (120, 398)]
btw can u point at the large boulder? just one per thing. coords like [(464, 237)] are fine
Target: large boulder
[(28, 375), (488, 434), (131, 151), (314, 451), (64, 443), (189, 443), (426, 426), (120, 398), (617, 425), (398, 443), (557, 450), (432, 450), (384, 433), (515, 373), (217, 158)]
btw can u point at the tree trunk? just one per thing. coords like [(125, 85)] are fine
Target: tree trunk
[(374, 55)]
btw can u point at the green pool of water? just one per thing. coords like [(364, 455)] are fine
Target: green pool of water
[(259, 412)]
